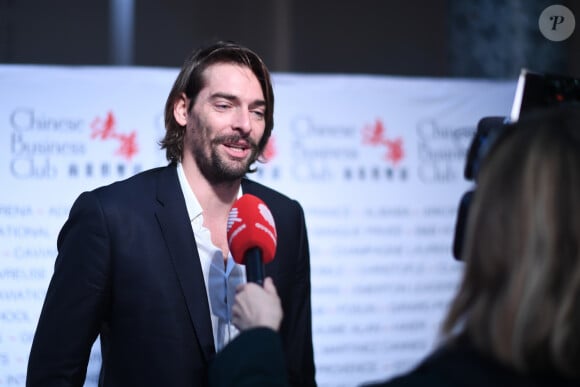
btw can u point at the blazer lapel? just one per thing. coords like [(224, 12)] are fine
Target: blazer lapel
[(176, 228)]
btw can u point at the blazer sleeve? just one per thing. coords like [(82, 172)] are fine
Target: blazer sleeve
[(74, 306), (253, 358), (290, 271), (298, 327)]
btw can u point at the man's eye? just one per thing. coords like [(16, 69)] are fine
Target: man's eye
[(221, 106), (258, 114)]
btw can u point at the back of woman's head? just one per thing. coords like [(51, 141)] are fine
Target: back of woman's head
[(520, 296)]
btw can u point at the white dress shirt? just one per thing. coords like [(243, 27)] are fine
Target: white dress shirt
[(221, 278)]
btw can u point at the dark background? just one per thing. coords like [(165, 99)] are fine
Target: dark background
[(434, 38)]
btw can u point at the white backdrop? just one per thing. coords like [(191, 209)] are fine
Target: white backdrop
[(377, 163)]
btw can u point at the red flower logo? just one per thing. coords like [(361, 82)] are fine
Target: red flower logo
[(270, 150), (106, 130), (375, 135)]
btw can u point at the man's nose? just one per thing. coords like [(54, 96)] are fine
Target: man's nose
[(243, 120)]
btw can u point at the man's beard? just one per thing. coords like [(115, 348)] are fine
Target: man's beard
[(213, 167)]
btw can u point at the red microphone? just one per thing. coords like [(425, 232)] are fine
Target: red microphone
[(252, 236)]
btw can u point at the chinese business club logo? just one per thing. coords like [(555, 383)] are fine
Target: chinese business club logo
[(375, 135), (342, 152), (270, 152), (392, 150), (52, 145), (105, 129)]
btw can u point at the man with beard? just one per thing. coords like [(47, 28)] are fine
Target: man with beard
[(145, 263)]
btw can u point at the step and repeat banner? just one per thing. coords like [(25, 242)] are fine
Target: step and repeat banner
[(377, 163)]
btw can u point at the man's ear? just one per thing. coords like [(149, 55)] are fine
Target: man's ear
[(180, 109)]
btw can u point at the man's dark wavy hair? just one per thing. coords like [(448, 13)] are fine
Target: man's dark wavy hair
[(191, 80)]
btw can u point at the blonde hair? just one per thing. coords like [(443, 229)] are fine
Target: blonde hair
[(519, 300)]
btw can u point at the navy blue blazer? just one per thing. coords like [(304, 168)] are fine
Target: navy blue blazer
[(128, 270)]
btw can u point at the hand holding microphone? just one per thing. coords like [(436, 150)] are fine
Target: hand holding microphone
[(257, 307), (252, 236), (252, 241)]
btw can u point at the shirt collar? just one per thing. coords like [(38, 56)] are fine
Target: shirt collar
[(194, 209)]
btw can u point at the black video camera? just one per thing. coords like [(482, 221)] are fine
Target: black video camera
[(533, 91)]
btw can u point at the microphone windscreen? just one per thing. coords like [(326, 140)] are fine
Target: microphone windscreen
[(251, 224)]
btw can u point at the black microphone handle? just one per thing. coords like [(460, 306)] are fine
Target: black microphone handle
[(254, 265)]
